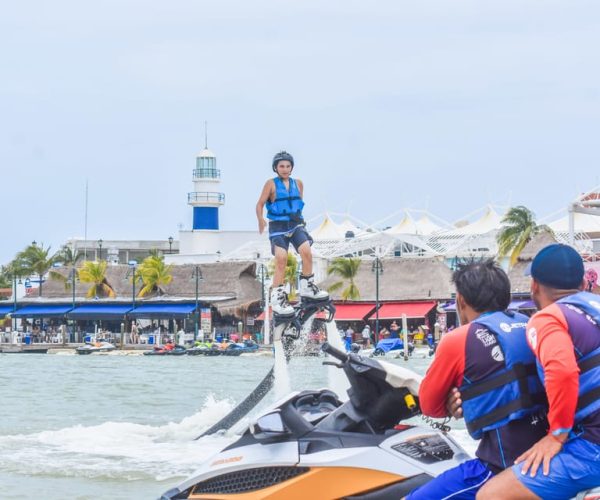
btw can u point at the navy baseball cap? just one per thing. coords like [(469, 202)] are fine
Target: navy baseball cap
[(558, 266)]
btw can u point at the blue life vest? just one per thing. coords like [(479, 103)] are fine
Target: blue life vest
[(510, 393), (287, 205), (589, 364)]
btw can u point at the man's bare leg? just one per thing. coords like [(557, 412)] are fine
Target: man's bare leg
[(505, 486), (306, 256), (280, 263)]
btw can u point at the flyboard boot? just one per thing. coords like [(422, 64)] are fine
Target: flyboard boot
[(313, 300), (284, 314)]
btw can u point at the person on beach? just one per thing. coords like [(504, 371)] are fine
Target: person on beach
[(565, 336), (488, 347), (283, 197), (366, 336), (394, 330)]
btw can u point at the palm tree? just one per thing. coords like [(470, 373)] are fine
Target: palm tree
[(5, 277), (154, 273), (291, 273), (518, 228), (95, 273), (35, 260), (346, 269), (68, 258)]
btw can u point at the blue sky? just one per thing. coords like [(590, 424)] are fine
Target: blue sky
[(387, 104)]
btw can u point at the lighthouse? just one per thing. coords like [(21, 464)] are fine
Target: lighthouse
[(205, 240), (206, 198)]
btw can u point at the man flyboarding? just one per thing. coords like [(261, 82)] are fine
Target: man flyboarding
[(282, 196)]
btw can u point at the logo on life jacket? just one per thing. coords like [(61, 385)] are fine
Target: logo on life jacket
[(497, 354), (486, 338)]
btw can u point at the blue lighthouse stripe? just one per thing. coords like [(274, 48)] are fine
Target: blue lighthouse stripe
[(206, 218)]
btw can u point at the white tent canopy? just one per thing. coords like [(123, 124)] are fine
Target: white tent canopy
[(489, 221), (328, 230), (584, 223), (406, 226), (426, 226)]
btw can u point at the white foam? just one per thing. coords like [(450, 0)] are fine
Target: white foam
[(118, 449), (281, 383)]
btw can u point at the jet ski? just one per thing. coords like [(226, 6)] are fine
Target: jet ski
[(385, 346), (313, 444), (199, 348), (97, 346), (240, 348), (310, 444), (177, 350)]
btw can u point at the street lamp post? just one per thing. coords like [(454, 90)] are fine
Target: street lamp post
[(73, 279), (170, 240), (15, 300), (198, 276), (261, 272), (131, 274), (377, 268), (100, 249)]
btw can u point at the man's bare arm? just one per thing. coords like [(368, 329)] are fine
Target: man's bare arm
[(260, 205)]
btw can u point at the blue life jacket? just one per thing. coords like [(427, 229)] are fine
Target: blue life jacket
[(287, 205), (510, 393), (589, 363)]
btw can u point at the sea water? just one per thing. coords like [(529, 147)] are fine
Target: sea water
[(123, 427)]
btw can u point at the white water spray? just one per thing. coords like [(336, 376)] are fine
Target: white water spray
[(118, 449), (282, 376)]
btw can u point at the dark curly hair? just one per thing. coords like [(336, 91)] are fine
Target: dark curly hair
[(483, 284)]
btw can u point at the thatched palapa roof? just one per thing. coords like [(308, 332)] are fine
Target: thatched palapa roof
[(402, 279), (519, 282), (227, 285)]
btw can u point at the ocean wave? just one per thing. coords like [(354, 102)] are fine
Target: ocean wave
[(121, 450)]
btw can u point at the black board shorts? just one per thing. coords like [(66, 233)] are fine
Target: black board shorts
[(282, 233)]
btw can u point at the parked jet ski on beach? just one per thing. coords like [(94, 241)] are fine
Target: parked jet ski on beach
[(312, 444), (177, 350), (97, 346)]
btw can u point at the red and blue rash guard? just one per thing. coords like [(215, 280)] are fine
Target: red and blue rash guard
[(557, 335), (467, 353)]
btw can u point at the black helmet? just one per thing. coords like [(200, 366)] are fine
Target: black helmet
[(282, 156)]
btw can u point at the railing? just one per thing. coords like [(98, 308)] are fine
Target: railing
[(206, 173), (207, 197)]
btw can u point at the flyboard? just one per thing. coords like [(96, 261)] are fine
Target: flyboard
[(288, 327), (287, 330)]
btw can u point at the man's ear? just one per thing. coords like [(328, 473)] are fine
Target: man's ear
[(535, 286)]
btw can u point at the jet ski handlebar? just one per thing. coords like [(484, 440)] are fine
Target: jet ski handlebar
[(336, 353)]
